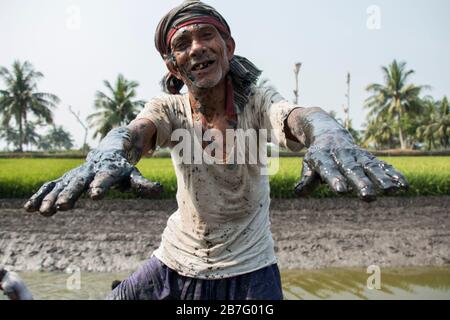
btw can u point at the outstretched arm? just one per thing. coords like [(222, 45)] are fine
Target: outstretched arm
[(334, 158), (142, 139), (112, 163)]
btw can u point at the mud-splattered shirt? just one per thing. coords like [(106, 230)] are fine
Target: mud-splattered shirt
[(222, 225)]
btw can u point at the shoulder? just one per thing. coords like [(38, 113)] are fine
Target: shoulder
[(167, 101), (261, 101), (262, 97)]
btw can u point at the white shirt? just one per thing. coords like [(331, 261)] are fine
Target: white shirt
[(222, 226)]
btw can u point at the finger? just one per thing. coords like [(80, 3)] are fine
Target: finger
[(143, 186), (48, 207), (374, 170), (35, 201), (396, 175), (107, 176), (75, 188), (355, 174), (323, 163), (310, 180)]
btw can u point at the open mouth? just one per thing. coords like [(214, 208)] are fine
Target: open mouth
[(202, 66)]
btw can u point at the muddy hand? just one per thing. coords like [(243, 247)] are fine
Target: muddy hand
[(62, 193), (139, 185), (106, 166), (349, 169), (333, 158)]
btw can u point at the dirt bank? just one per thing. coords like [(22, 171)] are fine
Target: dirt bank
[(118, 235)]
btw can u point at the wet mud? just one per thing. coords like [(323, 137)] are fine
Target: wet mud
[(118, 235)]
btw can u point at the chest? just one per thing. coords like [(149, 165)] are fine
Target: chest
[(215, 129)]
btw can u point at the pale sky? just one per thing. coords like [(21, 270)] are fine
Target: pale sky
[(76, 52)]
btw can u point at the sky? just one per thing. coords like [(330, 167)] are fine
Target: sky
[(79, 43)]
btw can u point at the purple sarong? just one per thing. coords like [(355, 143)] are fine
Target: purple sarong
[(155, 281)]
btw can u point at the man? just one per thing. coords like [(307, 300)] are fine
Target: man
[(218, 244), (12, 286)]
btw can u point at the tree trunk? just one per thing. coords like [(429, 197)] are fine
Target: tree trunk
[(400, 133), (20, 134)]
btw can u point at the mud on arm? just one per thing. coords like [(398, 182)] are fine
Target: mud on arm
[(110, 164), (334, 158)]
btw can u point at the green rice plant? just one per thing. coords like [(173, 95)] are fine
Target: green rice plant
[(20, 178)]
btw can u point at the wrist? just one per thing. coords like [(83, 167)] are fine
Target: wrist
[(321, 128), (118, 142)]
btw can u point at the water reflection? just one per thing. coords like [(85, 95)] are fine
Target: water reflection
[(405, 283)]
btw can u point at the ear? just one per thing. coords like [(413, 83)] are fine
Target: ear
[(172, 68), (231, 46)]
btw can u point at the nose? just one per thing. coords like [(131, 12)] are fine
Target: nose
[(197, 49)]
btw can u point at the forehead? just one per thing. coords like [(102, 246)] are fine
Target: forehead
[(192, 29)]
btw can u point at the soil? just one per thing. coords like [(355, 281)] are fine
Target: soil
[(118, 235)]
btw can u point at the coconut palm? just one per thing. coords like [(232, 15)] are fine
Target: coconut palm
[(396, 98), (116, 109), (30, 135), (10, 135), (21, 97), (434, 123), (56, 139), (426, 123), (380, 133), (443, 123), (60, 138)]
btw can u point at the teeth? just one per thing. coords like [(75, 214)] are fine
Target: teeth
[(201, 66)]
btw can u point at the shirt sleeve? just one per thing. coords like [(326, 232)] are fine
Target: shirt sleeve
[(274, 112), (157, 111)]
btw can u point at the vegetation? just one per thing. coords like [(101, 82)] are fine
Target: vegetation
[(433, 126), (116, 109), (56, 139), (399, 116), (395, 100), (20, 178), (21, 98)]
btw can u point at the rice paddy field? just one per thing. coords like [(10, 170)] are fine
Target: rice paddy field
[(20, 178)]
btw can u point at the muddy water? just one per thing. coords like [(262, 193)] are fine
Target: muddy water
[(342, 283)]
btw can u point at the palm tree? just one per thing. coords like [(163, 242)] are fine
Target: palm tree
[(380, 133), (20, 97), (30, 136), (443, 123), (434, 123), (60, 138), (10, 135), (395, 98), (116, 109), (56, 139)]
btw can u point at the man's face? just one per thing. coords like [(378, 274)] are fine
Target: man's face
[(201, 56)]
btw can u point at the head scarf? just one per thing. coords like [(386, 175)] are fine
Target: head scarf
[(243, 73)]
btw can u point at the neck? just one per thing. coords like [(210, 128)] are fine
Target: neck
[(208, 101)]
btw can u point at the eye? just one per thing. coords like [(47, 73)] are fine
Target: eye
[(180, 45), (208, 35)]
